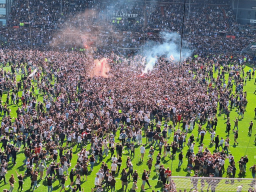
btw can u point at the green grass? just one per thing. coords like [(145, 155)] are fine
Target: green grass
[(246, 146)]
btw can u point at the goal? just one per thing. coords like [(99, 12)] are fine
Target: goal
[(213, 184)]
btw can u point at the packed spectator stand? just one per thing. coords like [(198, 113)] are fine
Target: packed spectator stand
[(37, 23)]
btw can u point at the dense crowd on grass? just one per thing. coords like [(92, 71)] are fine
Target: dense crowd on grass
[(112, 115)]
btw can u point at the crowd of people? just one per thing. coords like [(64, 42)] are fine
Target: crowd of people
[(203, 25), (113, 115), (62, 107)]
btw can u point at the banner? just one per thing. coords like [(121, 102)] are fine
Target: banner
[(125, 15)]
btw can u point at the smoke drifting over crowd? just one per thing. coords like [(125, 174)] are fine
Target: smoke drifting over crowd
[(87, 30), (169, 48), (83, 30)]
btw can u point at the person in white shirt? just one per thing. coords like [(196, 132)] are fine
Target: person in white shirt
[(86, 153), (221, 142), (114, 159), (192, 147), (239, 188), (212, 136), (69, 139), (113, 168), (142, 152), (201, 148), (97, 181), (101, 175), (79, 141)]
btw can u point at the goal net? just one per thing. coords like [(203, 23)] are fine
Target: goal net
[(213, 184)]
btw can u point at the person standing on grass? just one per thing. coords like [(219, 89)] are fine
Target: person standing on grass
[(217, 141), (97, 181), (134, 186), (132, 147), (226, 147), (41, 168), (253, 170), (71, 176), (34, 179), (62, 182), (78, 182), (92, 160), (144, 180), (113, 184), (124, 179), (20, 178), (11, 181), (236, 124), (202, 133), (228, 127), (250, 128), (222, 142), (130, 169), (3, 173), (142, 152), (168, 174), (49, 183), (235, 137), (180, 159), (113, 168)]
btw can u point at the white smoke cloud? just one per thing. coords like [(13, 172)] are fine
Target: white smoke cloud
[(169, 47)]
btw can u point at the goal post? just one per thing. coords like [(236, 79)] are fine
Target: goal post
[(213, 184)]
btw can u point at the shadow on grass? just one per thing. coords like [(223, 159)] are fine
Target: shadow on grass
[(158, 185), (56, 187), (21, 168), (178, 169), (108, 160), (139, 163), (210, 146), (242, 175), (165, 161)]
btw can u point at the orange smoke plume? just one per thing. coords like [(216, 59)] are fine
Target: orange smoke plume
[(101, 68)]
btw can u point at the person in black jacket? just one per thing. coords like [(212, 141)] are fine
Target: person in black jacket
[(62, 137), (124, 180), (144, 180), (180, 159), (217, 141), (49, 184)]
